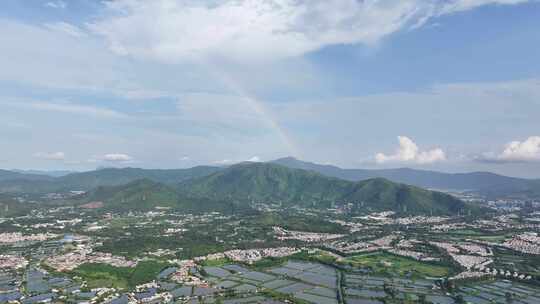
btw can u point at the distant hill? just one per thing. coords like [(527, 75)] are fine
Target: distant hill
[(115, 176), (54, 173), (485, 183), (13, 175), (266, 182), (14, 182)]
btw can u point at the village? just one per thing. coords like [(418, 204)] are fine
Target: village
[(63, 245)]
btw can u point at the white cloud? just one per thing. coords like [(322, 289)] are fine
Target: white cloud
[(177, 30), (117, 157), (408, 151), (56, 4), (185, 158), (69, 108), (66, 28), (465, 5), (526, 150), (224, 162), (254, 159), (516, 151), (78, 64), (50, 155)]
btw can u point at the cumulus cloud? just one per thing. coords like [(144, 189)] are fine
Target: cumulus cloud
[(408, 151), (516, 151), (260, 29), (117, 157), (50, 155)]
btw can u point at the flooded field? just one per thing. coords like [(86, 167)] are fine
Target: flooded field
[(290, 282)]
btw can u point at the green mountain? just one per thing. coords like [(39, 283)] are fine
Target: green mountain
[(141, 194), (53, 173), (145, 195), (484, 183), (114, 176), (104, 177), (265, 182)]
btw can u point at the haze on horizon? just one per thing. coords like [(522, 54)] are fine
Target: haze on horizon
[(448, 85)]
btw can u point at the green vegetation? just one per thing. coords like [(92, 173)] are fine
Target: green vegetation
[(466, 232), (216, 262), (103, 275), (393, 265), (234, 189), (193, 244), (9, 208), (491, 238), (274, 183), (318, 257), (296, 222), (137, 195)]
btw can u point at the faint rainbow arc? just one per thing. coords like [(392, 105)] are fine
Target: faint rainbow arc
[(255, 106)]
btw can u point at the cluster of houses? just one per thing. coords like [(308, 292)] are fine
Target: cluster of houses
[(527, 243), (309, 237), (16, 237), (84, 254)]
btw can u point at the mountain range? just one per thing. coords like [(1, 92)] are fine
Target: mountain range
[(239, 186), (483, 183), (15, 182), (235, 187), (268, 182)]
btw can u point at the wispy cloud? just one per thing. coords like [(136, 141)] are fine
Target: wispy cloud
[(50, 155), (261, 29), (69, 108), (59, 4), (231, 161), (224, 162), (66, 28)]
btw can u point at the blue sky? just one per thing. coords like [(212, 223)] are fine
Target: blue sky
[(448, 85)]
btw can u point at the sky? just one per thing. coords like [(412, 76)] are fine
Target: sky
[(447, 85)]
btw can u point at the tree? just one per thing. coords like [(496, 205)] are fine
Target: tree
[(389, 290)]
